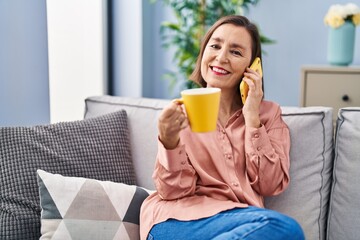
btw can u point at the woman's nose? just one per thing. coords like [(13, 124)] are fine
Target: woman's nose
[(222, 56)]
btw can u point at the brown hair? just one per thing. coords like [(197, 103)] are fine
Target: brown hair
[(236, 20)]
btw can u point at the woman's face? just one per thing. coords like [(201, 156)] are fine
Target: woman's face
[(226, 56)]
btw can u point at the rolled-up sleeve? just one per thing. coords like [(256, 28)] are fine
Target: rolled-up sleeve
[(267, 157), (174, 176)]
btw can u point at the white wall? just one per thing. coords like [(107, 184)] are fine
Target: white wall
[(77, 55)]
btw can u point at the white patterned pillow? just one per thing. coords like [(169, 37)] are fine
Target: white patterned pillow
[(82, 208)]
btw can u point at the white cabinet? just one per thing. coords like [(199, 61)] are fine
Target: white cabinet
[(329, 86)]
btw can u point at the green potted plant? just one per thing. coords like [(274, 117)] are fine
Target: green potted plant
[(193, 18)]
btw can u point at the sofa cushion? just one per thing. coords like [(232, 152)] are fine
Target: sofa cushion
[(142, 114), (94, 148), (344, 209), (306, 199), (82, 208)]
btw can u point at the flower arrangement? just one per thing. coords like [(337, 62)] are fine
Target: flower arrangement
[(338, 14)]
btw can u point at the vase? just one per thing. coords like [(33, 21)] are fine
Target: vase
[(341, 43)]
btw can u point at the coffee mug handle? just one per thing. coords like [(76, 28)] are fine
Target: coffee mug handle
[(178, 101)]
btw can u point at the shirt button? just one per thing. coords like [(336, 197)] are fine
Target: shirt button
[(256, 135), (258, 148), (235, 184), (229, 156), (183, 163), (223, 131), (180, 152)]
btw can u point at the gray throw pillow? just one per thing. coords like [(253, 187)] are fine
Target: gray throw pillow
[(95, 148), (344, 210), (311, 160)]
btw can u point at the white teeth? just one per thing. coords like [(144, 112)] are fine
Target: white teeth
[(218, 70)]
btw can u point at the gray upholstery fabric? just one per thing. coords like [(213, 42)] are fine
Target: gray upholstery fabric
[(307, 197), (94, 148), (142, 114), (344, 212)]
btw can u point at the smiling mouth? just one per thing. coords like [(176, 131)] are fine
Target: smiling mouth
[(219, 70)]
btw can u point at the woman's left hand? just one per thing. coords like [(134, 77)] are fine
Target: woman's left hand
[(251, 108)]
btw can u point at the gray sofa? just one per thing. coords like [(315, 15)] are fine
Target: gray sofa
[(324, 193)]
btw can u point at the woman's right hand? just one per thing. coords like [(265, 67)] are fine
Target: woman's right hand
[(171, 121)]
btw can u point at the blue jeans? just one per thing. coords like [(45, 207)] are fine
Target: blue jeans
[(240, 223)]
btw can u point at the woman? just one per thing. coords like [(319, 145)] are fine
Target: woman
[(211, 185)]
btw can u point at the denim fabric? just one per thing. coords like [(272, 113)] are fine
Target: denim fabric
[(249, 223)]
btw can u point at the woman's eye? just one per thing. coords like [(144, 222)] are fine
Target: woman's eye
[(235, 52), (215, 46)]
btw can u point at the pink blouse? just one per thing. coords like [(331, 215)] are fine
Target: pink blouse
[(234, 166)]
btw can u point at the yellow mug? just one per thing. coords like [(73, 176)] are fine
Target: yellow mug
[(202, 108)]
